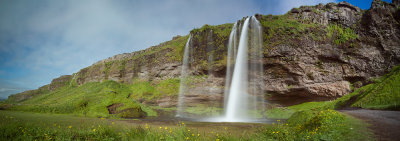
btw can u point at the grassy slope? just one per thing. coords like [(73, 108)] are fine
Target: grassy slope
[(384, 94), (92, 99)]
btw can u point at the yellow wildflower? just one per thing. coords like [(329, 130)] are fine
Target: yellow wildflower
[(94, 130), (70, 126), (198, 134), (192, 134), (166, 128), (187, 138), (160, 127), (112, 123), (102, 118), (217, 140)]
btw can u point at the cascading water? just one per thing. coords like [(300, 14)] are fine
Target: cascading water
[(232, 47), (243, 94), (245, 99), (237, 106), (183, 79)]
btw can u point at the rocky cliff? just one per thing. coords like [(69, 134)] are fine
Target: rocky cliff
[(311, 51)]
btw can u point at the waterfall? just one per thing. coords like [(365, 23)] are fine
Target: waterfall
[(232, 46), (243, 93), (183, 88), (210, 48), (245, 99)]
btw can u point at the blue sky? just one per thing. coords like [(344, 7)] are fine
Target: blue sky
[(44, 39)]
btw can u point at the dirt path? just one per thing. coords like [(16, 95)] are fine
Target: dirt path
[(384, 124)]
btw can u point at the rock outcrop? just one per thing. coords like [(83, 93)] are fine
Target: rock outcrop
[(60, 82)]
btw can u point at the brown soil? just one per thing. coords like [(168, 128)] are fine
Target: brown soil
[(384, 124)]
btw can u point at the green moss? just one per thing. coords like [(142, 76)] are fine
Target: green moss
[(339, 34)]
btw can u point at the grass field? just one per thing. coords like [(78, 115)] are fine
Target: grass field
[(329, 125)]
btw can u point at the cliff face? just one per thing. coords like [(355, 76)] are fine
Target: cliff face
[(157, 62), (357, 45), (312, 51)]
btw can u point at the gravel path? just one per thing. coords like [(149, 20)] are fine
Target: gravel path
[(384, 124)]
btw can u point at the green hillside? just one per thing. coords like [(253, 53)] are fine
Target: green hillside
[(384, 93), (92, 99)]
